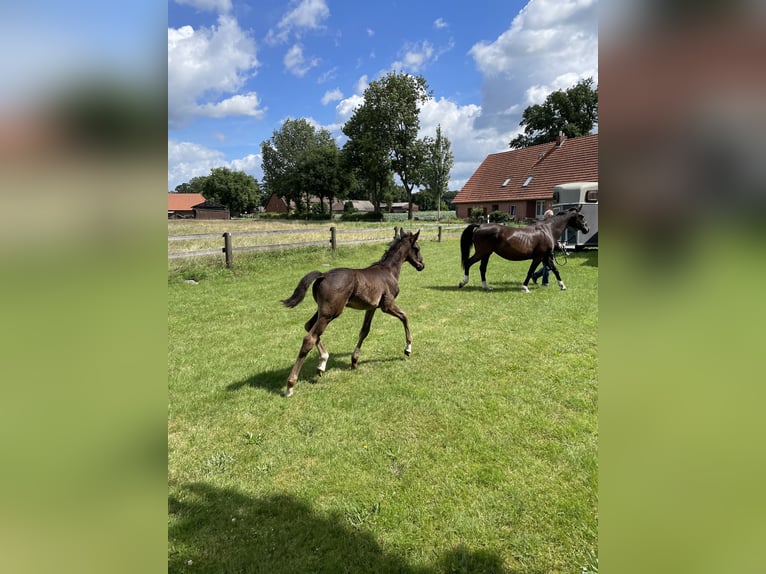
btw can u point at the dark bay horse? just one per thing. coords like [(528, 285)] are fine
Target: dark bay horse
[(535, 242), (374, 287)]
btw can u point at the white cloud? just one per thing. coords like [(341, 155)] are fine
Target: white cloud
[(296, 63), (332, 96), (469, 145), (415, 57), (205, 63), (187, 160), (307, 14), (550, 45), (220, 6), (239, 105), (440, 23), (370, 32), (361, 84)]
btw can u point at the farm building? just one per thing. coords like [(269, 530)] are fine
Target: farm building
[(194, 206), (520, 182)]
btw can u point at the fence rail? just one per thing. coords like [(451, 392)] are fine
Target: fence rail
[(228, 249)]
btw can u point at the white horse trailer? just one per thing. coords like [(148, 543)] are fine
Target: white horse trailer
[(585, 195)]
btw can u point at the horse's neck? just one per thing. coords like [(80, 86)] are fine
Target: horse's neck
[(558, 225), (393, 262)]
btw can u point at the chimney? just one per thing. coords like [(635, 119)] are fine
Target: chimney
[(560, 139)]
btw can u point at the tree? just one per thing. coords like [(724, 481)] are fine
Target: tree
[(320, 173), (194, 185), (368, 157), (436, 167), (235, 189), (287, 153), (573, 113), (388, 122)]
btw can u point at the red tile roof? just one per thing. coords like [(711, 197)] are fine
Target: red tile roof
[(184, 201), (548, 164)]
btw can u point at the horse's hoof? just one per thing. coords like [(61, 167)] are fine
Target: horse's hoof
[(460, 285), (524, 289), (320, 372), (288, 393), (563, 287), (408, 353)]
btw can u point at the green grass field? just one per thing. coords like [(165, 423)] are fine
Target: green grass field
[(476, 454)]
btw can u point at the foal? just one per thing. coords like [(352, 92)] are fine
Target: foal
[(376, 286)]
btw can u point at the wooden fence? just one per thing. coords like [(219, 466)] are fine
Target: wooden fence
[(333, 240)]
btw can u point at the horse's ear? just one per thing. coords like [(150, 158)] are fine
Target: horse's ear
[(415, 237)]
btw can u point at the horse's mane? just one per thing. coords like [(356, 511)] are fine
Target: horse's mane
[(392, 247)]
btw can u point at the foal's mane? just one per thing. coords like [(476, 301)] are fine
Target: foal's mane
[(392, 247)]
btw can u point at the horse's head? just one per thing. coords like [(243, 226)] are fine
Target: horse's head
[(414, 256), (577, 220)]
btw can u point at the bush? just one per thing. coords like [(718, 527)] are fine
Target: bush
[(499, 217)]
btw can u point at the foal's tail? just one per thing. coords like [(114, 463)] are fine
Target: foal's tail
[(466, 239), (300, 290)]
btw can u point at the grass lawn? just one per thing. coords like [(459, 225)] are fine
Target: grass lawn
[(476, 454)]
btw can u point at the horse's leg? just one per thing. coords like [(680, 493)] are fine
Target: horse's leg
[(530, 271), (393, 309), (320, 347), (483, 269), (315, 331), (470, 261), (552, 267), (362, 336)]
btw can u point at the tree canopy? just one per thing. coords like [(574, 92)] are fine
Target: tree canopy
[(383, 130), (300, 161), (438, 161), (235, 189), (572, 112)]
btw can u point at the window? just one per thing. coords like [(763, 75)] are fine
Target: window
[(495, 207), (512, 211), (539, 208), (506, 182), (527, 181), (591, 196)]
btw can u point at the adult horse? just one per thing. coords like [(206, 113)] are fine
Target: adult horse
[(535, 242), (374, 287)]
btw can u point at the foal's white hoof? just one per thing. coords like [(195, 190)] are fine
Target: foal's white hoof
[(525, 289), (563, 287), (408, 350), (288, 393)]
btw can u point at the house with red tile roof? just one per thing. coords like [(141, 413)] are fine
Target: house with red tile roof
[(181, 205), (520, 182)]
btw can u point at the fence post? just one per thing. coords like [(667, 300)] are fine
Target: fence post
[(227, 248), (333, 238), (440, 234)]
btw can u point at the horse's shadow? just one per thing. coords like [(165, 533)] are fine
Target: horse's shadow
[(496, 286), (274, 381)]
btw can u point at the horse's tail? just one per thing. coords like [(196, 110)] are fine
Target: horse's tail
[(300, 290), (466, 239)]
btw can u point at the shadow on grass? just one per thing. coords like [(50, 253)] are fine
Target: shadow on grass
[(275, 381), (223, 530)]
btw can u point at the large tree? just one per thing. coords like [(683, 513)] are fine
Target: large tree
[(235, 189), (436, 167), (572, 112), (321, 173), (388, 122), (289, 151)]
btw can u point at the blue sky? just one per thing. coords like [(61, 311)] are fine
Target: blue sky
[(237, 70)]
